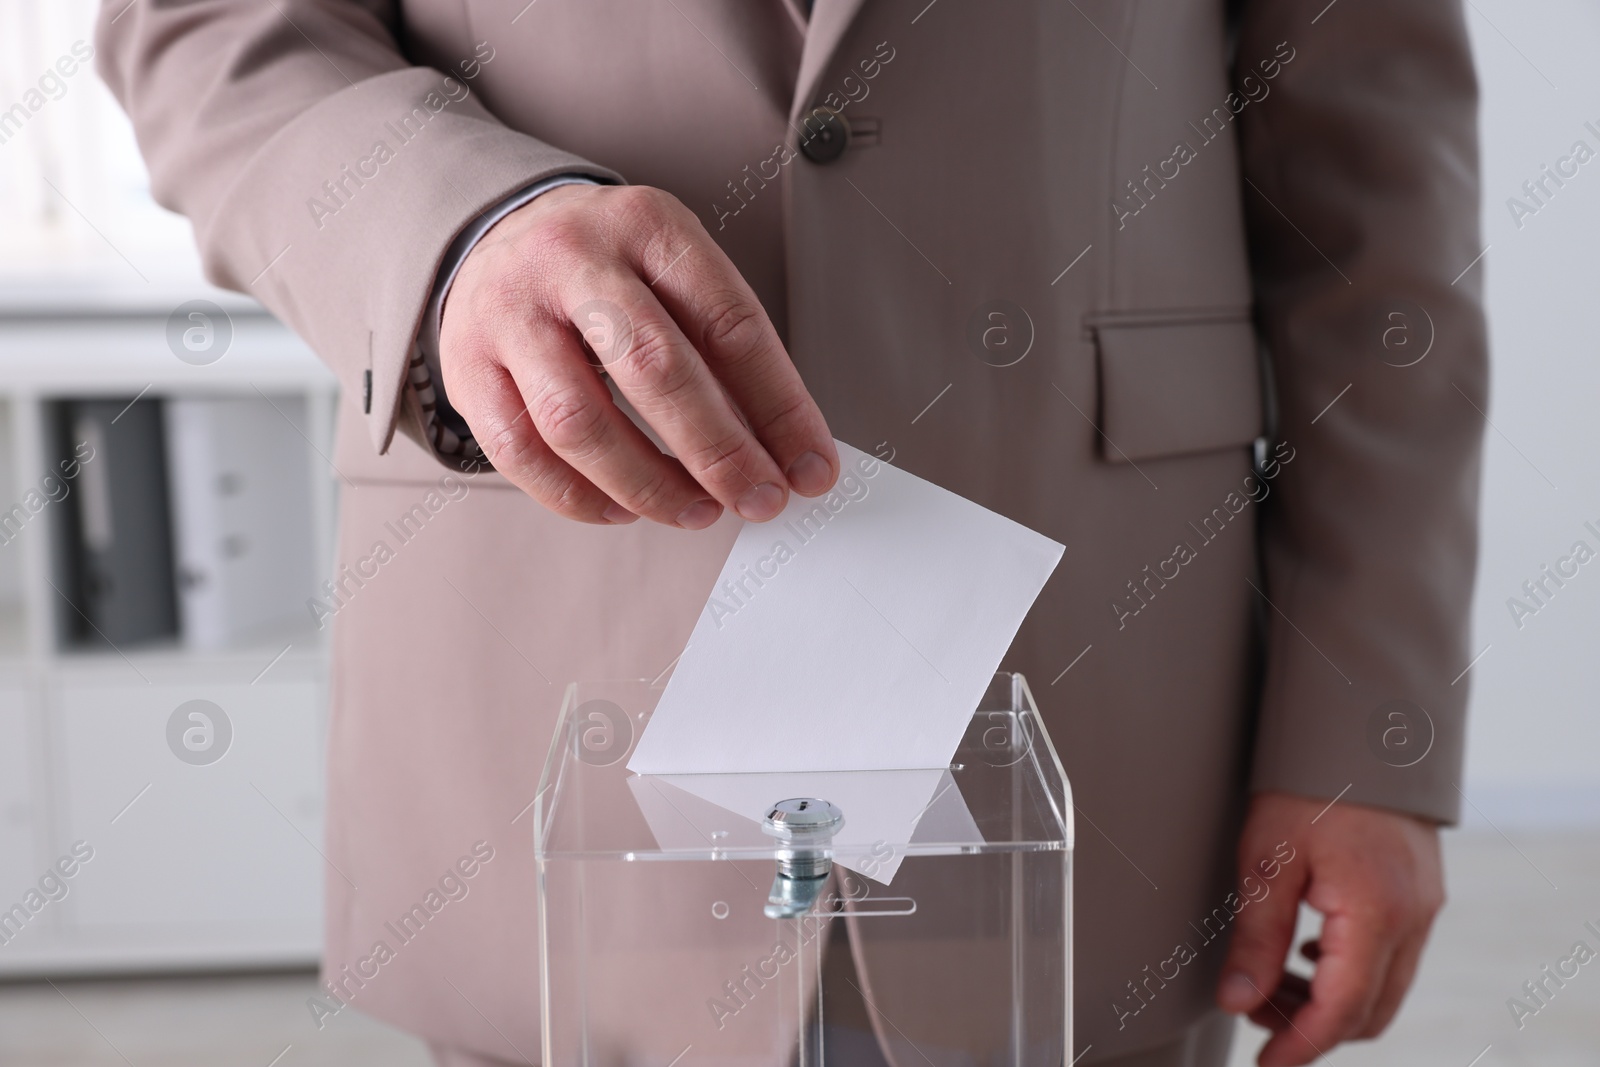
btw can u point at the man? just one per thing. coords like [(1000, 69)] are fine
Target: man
[(1030, 251)]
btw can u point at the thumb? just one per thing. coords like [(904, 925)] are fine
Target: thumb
[(1262, 932)]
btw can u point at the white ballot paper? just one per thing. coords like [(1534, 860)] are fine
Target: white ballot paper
[(856, 631)]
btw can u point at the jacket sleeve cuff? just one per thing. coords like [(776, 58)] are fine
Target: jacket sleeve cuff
[(339, 222), (442, 426)]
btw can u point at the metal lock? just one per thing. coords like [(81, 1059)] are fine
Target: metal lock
[(806, 827)]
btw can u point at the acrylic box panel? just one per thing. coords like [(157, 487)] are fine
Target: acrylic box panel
[(925, 918)]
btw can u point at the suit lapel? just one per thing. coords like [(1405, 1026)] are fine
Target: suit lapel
[(829, 21), (797, 12)]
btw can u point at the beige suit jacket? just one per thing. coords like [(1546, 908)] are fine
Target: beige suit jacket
[(1147, 195)]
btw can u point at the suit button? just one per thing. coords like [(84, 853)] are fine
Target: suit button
[(827, 135)]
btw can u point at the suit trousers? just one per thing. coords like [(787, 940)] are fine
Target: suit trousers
[(849, 1042), (1203, 1044)]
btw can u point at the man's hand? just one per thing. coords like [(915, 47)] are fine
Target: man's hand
[(1376, 878), (629, 272)]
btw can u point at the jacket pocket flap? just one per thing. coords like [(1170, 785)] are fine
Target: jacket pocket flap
[(1170, 387)]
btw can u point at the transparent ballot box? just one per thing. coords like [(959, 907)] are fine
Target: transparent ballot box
[(918, 918)]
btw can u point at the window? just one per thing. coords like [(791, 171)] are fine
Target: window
[(77, 209)]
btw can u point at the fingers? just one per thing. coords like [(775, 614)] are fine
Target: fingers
[(702, 290), (1376, 878), (673, 388), (1262, 934), (1292, 994), (1355, 953), (573, 414), (1402, 969), (510, 441), (696, 357)]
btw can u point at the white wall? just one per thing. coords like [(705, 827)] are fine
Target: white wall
[(1534, 749)]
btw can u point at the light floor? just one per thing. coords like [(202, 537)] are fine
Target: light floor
[(1504, 921)]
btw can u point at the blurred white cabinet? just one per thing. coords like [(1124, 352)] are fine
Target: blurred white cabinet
[(17, 811), (190, 851), (196, 863)]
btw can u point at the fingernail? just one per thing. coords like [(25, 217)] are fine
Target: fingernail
[(760, 503), (1237, 994), (699, 515), (810, 474), (618, 515)]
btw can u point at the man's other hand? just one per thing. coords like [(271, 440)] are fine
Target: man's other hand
[(625, 279), (1377, 879)]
